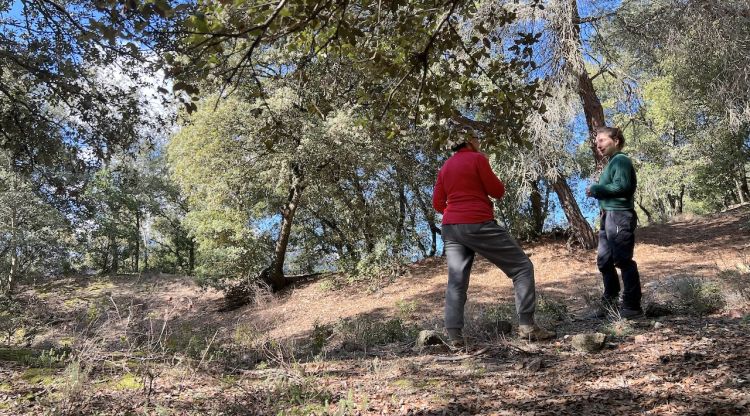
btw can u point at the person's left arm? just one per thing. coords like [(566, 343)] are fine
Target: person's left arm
[(492, 184), (439, 197)]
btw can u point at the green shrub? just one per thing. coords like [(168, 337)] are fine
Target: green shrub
[(319, 337), (406, 309), (698, 296), (550, 310)]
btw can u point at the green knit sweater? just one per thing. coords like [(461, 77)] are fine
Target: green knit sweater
[(616, 184)]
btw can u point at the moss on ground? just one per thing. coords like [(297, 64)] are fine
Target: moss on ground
[(43, 376), (128, 381)]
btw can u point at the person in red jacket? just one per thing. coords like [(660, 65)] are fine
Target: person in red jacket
[(462, 194)]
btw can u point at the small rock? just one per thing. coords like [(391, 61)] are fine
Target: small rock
[(658, 325), (640, 339), (655, 310), (426, 338), (588, 342), (534, 365)]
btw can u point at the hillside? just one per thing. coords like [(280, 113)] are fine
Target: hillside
[(160, 345)]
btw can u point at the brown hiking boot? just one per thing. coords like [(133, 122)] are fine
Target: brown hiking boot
[(535, 333), (456, 338)]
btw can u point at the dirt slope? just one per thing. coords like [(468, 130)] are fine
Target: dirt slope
[(688, 247), (160, 345)]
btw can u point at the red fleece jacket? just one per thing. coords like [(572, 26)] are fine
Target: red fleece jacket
[(462, 188)]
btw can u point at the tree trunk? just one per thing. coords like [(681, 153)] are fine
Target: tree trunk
[(592, 106), (137, 238), (366, 232), (675, 201), (145, 251), (401, 216), (538, 214), (9, 286), (581, 228), (741, 182), (275, 275), (115, 255), (191, 256), (649, 217), (429, 216)]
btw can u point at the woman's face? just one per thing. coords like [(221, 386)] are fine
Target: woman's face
[(606, 145)]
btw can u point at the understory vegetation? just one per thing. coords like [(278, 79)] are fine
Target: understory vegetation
[(80, 346)]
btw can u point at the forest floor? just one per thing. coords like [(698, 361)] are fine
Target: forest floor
[(161, 345)]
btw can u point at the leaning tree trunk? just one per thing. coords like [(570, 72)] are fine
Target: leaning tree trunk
[(581, 228), (242, 293), (115, 252), (275, 275)]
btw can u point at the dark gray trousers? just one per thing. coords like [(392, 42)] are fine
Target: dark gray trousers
[(494, 243)]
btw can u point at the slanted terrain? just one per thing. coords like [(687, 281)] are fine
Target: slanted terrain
[(161, 345)]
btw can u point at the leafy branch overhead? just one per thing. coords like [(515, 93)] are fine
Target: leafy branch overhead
[(430, 59)]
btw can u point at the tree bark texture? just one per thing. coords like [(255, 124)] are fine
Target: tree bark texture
[(275, 277), (538, 209), (592, 106), (581, 228)]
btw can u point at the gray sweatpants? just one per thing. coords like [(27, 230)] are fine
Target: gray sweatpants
[(494, 243)]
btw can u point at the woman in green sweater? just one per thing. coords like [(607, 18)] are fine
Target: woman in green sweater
[(618, 221)]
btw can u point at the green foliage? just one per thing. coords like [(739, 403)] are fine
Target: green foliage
[(69, 91), (406, 310), (34, 236), (691, 134), (362, 333), (319, 337), (404, 44)]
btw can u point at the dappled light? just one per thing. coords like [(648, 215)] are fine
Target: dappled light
[(303, 207)]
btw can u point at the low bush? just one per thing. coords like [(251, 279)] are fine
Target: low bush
[(363, 333)]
